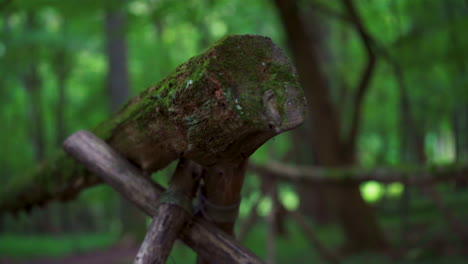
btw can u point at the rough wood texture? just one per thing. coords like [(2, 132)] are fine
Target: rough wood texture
[(203, 237), (222, 194), (415, 176), (220, 105), (171, 215)]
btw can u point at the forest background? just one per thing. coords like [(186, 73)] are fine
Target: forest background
[(387, 87)]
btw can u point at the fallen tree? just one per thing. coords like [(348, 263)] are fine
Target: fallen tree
[(219, 106), (408, 176)]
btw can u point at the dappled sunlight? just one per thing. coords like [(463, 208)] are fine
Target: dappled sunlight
[(372, 191)]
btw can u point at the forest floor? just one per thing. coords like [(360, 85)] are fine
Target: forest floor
[(118, 254), (429, 238)]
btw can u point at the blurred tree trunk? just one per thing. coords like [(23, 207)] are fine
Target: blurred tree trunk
[(412, 134), (459, 71), (357, 217), (270, 188), (164, 57), (32, 83), (313, 196), (406, 129), (315, 200), (133, 221), (460, 126), (116, 49), (61, 65), (6, 28)]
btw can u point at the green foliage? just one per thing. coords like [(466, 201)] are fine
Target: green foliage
[(425, 39)]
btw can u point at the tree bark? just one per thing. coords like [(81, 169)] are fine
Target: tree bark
[(219, 106)]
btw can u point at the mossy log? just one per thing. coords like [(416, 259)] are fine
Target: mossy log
[(342, 176), (220, 105)]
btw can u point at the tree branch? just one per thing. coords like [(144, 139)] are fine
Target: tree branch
[(366, 75), (328, 11), (411, 176)]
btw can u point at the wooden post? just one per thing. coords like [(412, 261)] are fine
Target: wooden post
[(174, 210), (203, 237), (221, 196)]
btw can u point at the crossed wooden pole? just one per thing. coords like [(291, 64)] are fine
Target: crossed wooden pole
[(172, 216)]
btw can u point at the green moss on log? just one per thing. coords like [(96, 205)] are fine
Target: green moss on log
[(220, 105)]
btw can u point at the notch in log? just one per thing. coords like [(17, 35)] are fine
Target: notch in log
[(219, 106)]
